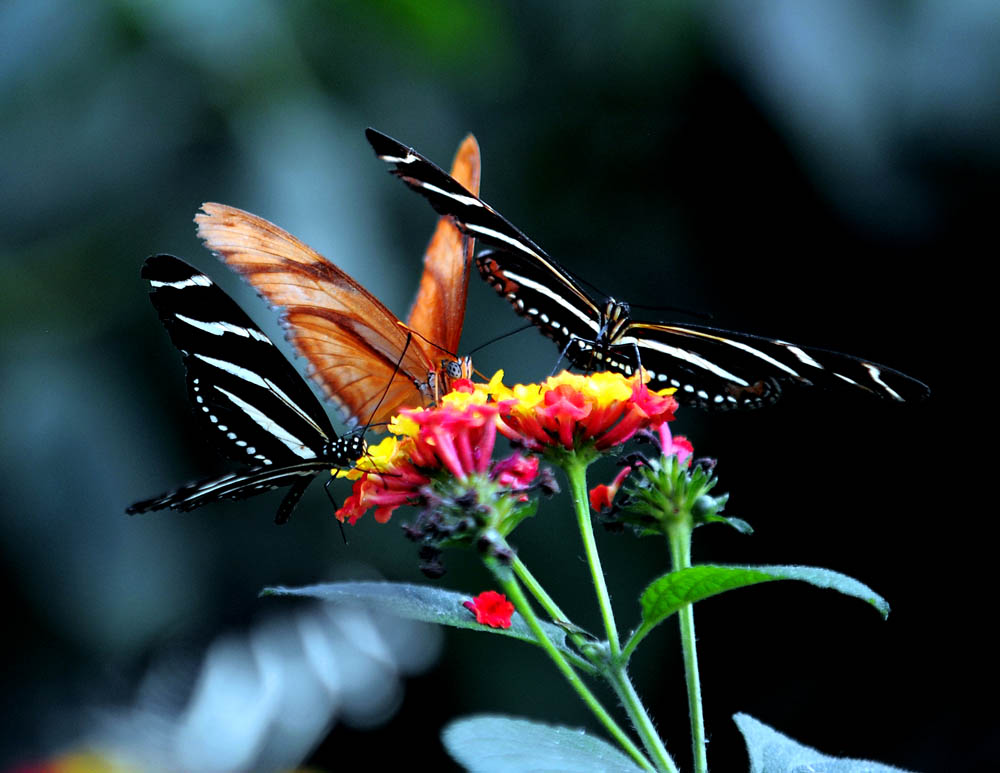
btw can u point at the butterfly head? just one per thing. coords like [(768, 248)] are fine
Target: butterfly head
[(439, 381), (460, 368)]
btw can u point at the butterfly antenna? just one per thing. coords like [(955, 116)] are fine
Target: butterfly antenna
[(395, 372), (410, 333), (501, 337), (703, 315)]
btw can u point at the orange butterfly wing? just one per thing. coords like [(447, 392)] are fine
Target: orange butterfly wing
[(352, 341), (439, 309)]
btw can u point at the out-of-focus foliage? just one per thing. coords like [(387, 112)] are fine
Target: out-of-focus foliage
[(824, 171)]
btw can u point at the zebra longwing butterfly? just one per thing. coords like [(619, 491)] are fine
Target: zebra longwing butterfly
[(711, 368), (356, 346), (251, 404)]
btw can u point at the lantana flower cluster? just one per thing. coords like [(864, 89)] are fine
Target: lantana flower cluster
[(454, 440), (571, 412), (662, 492), (441, 458)]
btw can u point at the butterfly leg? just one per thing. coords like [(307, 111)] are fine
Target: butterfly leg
[(340, 523), (564, 354), (638, 356)]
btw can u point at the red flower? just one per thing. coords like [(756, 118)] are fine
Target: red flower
[(457, 438), (491, 608), (516, 472), (569, 410), (603, 495), (678, 446), (397, 486)]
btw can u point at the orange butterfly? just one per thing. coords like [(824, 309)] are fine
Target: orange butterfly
[(359, 352)]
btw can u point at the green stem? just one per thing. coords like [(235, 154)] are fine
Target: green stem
[(640, 719), (554, 612), (679, 537), (576, 471), (536, 590), (513, 590), (637, 636)]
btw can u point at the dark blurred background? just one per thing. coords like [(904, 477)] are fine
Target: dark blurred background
[(823, 171)]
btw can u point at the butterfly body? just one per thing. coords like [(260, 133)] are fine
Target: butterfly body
[(710, 368), (248, 400)]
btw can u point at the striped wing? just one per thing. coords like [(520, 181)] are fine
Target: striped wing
[(721, 370), (518, 269), (712, 369), (239, 485), (352, 342), (251, 403), (438, 312), (248, 399)]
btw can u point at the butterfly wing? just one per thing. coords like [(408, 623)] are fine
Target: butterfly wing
[(251, 403), (720, 370), (439, 309), (248, 399), (449, 197), (517, 268), (713, 369), (239, 485), (352, 342)]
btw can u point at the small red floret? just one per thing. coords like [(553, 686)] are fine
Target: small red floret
[(491, 608), (603, 495)]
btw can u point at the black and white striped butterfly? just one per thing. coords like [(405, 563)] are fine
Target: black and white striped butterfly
[(711, 368), (251, 404)]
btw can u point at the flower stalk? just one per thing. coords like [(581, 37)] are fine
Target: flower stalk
[(512, 588), (581, 640), (679, 540), (616, 673), (624, 689), (576, 471)]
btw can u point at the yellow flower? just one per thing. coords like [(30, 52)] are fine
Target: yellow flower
[(569, 409), (376, 458)]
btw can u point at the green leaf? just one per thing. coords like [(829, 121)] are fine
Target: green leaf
[(743, 527), (772, 752), (668, 593), (418, 602), (497, 744)]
